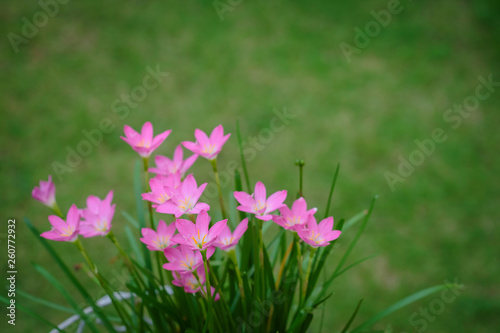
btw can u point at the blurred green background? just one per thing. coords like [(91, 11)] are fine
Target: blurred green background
[(245, 63)]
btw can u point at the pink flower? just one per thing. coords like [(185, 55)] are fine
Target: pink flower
[(227, 240), (207, 147), (186, 199), (163, 188), (46, 193), (198, 236), (184, 260), (64, 231), (189, 281), (318, 235), (294, 218), (160, 239), (258, 204), (144, 143), (166, 166), (212, 289), (97, 216)]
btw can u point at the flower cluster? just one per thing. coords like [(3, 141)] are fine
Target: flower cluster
[(93, 220), (187, 244)]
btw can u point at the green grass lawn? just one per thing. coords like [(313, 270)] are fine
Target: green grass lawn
[(265, 58)]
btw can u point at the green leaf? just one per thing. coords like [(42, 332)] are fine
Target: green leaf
[(57, 285), (346, 327), (399, 305), (334, 181), (140, 209), (320, 260), (243, 163), (45, 302), (334, 276), (349, 223), (71, 277), (358, 235), (132, 239), (130, 219), (31, 313)]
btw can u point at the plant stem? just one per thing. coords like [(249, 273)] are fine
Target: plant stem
[(261, 259), (56, 209), (311, 256), (300, 164), (232, 256), (301, 271), (102, 282), (208, 290), (145, 161), (221, 200), (283, 262)]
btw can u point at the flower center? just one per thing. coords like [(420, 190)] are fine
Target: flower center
[(200, 242), (292, 221), (142, 144), (228, 241), (258, 206), (101, 225), (67, 231), (188, 263), (208, 149), (163, 197), (161, 242), (314, 237), (186, 204)]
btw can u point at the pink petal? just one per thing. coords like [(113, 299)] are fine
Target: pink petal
[(147, 133), (260, 192), (58, 223), (170, 230), (216, 134), (240, 229), (73, 217), (178, 155), (201, 137), (188, 163), (246, 209), (186, 228), (202, 222), (299, 206), (199, 207), (243, 198), (326, 225), (223, 140), (161, 228), (275, 201), (168, 208), (225, 233), (93, 204), (189, 186), (216, 229), (199, 191), (332, 235), (195, 148), (129, 132)]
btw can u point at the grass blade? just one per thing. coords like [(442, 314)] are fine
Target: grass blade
[(399, 305), (31, 313), (66, 295), (346, 327), (71, 277), (46, 303), (334, 181), (356, 238), (243, 163), (140, 209)]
